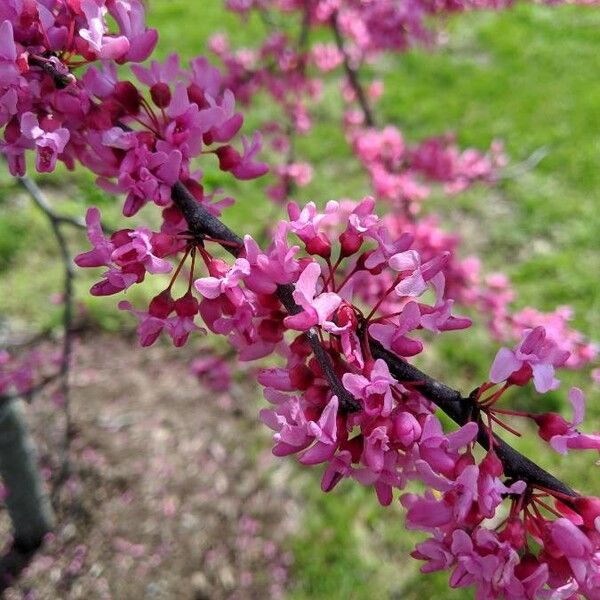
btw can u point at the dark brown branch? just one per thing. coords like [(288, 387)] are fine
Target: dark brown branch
[(201, 223), (352, 73), (459, 409), (462, 410)]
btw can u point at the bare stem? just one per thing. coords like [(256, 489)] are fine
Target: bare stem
[(56, 221), (352, 73)]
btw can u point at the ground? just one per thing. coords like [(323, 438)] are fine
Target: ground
[(174, 493)]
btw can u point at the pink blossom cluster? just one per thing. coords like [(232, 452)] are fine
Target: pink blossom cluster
[(37, 110), (399, 173), (137, 144), (356, 282), (343, 276), (548, 545)]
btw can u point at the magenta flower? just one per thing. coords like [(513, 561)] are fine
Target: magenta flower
[(294, 432), (393, 336), (535, 356), (102, 250), (317, 307), (226, 281), (570, 438), (248, 167), (49, 144), (375, 392), (415, 274), (104, 46)]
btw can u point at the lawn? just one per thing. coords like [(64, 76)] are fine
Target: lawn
[(527, 76)]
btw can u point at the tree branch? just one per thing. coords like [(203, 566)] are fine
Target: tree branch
[(450, 401), (459, 409), (56, 221), (352, 73)]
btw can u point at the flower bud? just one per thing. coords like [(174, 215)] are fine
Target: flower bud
[(514, 533), (186, 306), (406, 429), (589, 509), (162, 305), (127, 95), (229, 157), (161, 94), (319, 245), (162, 244), (550, 424), (350, 242)]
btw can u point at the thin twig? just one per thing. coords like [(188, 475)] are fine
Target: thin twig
[(530, 163), (352, 73), (56, 221)]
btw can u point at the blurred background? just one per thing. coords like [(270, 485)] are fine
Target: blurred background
[(176, 494)]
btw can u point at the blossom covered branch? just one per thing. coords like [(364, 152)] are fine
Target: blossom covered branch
[(340, 295)]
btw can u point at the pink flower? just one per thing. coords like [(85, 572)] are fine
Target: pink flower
[(535, 356), (248, 168), (102, 250), (375, 392), (225, 281), (414, 274), (49, 144), (393, 336), (317, 307), (567, 436)]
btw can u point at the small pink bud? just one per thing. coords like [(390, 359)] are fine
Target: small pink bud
[(162, 305), (492, 465), (514, 533), (229, 157), (196, 95), (550, 424), (161, 94), (162, 244), (350, 242), (319, 245), (217, 267), (522, 376), (406, 429), (186, 306), (345, 314), (589, 509), (128, 97)]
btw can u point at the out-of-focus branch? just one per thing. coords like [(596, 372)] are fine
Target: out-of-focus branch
[(56, 221), (352, 73)]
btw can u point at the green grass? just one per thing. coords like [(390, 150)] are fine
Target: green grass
[(528, 76)]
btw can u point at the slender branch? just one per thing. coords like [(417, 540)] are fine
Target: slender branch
[(68, 301), (42, 202), (352, 73), (200, 223), (458, 408)]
